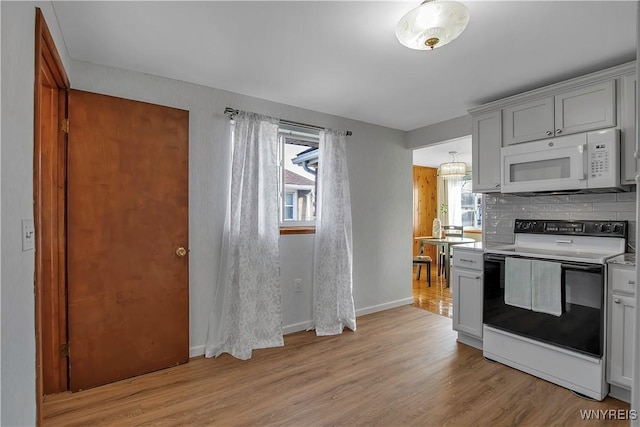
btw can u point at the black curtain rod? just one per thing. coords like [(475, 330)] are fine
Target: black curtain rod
[(231, 111)]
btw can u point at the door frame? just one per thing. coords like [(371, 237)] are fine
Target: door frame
[(49, 219)]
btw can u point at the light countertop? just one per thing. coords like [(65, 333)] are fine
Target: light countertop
[(475, 246), (624, 259)]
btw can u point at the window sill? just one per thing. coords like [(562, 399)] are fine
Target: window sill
[(305, 229)]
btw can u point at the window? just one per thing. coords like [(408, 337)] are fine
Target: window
[(298, 162), (289, 206), (471, 206), (463, 206)]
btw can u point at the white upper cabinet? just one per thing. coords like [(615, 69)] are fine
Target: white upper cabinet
[(578, 110), (586, 108), (485, 151), (528, 121), (599, 100)]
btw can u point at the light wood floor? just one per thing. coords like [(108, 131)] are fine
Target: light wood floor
[(437, 298), (402, 367)]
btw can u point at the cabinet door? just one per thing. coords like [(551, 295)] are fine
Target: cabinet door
[(621, 340), (486, 141), (528, 121), (467, 301), (628, 127), (586, 108)]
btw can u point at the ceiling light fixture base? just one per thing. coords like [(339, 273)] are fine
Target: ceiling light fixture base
[(433, 24)]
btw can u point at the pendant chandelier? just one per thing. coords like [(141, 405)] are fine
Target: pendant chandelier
[(453, 169), (433, 24)]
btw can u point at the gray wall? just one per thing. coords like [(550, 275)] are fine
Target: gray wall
[(17, 268), (501, 210), (382, 222), (380, 182), (439, 132)]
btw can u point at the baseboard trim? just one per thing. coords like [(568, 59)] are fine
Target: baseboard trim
[(196, 351), (303, 326), (385, 306), (297, 327)]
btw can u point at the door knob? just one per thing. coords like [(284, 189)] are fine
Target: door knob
[(181, 251)]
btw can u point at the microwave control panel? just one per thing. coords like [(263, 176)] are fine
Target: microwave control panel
[(603, 159), (599, 161)]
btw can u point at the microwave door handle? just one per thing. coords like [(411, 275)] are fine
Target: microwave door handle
[(580, 167)]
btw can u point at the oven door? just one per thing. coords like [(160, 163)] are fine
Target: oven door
[(550, 165), (580, 327)]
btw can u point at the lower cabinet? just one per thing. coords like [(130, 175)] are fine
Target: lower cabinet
[(622, 309), (466, 284)]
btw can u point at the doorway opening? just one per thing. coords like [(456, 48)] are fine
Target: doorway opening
[(453, 203)]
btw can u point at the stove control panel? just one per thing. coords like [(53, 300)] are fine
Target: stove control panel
[(582, 227)]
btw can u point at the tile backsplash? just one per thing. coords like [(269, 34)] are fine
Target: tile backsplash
[(500, 211)]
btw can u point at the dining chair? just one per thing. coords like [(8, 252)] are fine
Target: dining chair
[(423, 260), (449, 231)]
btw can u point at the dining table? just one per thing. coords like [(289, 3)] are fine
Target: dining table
[(445, 243)]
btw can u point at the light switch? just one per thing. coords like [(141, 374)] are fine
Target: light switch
[(28, 235)]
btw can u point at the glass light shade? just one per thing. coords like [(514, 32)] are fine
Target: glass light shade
[(453, 170), (433, 24)]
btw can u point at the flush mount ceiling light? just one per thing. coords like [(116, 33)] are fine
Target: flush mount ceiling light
[(453, 169), (433, 24)]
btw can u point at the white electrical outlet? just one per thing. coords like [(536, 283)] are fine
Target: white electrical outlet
[(297, 287), (28, 235)]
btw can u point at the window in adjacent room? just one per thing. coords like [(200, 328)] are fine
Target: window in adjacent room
[(464, 206), (471, 205)]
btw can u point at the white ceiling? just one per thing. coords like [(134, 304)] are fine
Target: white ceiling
[(434, 155), (342, 57)]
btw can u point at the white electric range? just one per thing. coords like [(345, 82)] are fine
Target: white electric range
[(562, 263)]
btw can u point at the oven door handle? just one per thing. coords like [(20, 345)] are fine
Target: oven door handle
[(494, 257), (564, 265), (596, 267)]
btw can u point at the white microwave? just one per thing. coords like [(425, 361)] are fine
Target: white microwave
[(585, 161)]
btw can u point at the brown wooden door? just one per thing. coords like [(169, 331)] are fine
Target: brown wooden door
[(128, 310), (425, 209)]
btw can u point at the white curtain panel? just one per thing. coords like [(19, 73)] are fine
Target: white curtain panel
[(333, 283), (454, 196), (247, 311)]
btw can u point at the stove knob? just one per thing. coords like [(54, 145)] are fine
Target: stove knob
[(617, 228)]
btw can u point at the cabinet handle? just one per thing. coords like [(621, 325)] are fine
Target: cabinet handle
[(549, 133), (477, 277), (496, 185), (632, 282), (467, 260), (616, 300), (558, 131)]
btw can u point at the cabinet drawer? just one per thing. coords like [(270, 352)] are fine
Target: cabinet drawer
[(467, 259), (622, 279)]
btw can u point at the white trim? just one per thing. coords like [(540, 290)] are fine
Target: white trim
[(552, 89), (385, 306), (297, 327), (196, 351), (297, 187), (307, 324)]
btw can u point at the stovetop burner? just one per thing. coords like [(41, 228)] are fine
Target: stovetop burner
[(579, 241)]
